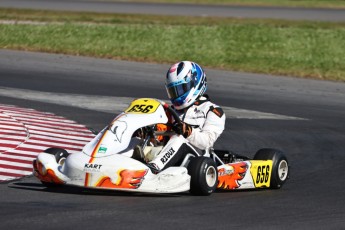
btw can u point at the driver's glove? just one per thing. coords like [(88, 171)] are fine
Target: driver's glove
[(182, 129)]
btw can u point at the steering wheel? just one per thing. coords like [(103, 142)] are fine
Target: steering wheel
[(173, 113)]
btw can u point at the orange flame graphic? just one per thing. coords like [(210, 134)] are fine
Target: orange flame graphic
[(230, 181), (127, 179), (47, 176)]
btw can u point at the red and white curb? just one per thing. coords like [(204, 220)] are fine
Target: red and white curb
[(26, 132)]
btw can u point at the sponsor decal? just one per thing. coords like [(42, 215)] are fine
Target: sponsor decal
[(227, 170), (89, 167), (119, 128), (198, 114), (167, 155), (231, 181), (102, 149)]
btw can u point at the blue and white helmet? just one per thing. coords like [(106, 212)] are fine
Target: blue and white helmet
[(185, 82)]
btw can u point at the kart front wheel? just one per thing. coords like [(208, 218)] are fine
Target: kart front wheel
[(280, 166), (60, 157), (204, 176), (60, 154)]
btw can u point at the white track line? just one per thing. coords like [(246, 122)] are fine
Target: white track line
[(116, 104)]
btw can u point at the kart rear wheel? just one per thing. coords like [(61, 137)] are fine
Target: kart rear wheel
[(204, 176), (60, 157), (280, 166)]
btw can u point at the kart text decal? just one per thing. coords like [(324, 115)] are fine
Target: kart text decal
[(92, 167), (144, 105), (131, 179), (167, 155), (228, 178), (261, 172)]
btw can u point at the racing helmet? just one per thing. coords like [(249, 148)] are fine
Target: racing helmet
[(185, 83)]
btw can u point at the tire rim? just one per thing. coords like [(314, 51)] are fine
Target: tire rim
[(211, 176), (62, 161), (283, 170)]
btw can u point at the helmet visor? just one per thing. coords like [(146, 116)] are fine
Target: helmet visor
[(179, 90)]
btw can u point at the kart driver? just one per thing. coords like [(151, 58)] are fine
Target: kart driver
[(202, 121)]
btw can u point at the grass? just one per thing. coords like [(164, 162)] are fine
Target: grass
[(303, 49), (284, 3)]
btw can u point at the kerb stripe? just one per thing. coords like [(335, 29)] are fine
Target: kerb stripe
[(25, 132)]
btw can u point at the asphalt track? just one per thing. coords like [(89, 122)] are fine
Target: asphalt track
[(336, 15), (313, 198)]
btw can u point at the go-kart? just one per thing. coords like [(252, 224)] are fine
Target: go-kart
[(108, 161)]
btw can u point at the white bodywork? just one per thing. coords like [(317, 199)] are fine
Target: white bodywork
[(106, 163)]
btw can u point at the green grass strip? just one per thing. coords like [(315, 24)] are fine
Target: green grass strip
[(303, 49)]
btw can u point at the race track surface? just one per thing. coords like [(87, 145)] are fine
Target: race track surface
[(336, 15), (311, 132)]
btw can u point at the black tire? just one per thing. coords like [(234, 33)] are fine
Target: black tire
[(204, 176), (58, 153), (280, 166)]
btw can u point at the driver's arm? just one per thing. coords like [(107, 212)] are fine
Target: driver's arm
[(205, 137)]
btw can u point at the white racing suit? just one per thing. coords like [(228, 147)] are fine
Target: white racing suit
[(207, 120)]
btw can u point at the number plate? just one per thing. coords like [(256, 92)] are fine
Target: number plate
[(143, 105), (261, 172)]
